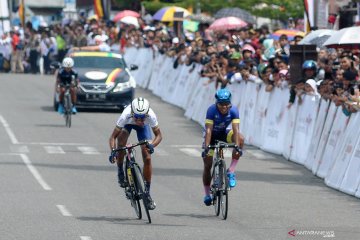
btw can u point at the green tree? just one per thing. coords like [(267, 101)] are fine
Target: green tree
[(274, 9)]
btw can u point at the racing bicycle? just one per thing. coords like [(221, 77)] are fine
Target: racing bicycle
[(67, 106), (220, 185), (135, 186)]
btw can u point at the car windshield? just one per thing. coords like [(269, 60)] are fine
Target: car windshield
[(98, 62)]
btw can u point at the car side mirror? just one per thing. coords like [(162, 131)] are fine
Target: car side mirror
[(133, 67)]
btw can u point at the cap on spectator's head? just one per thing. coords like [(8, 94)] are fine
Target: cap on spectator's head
[(235, 55), (175, 40), (198, 39)]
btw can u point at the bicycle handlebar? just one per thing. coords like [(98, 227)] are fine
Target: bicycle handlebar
[(221, 144), (131, 146)]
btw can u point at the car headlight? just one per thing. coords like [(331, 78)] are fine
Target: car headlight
[(126, 85)]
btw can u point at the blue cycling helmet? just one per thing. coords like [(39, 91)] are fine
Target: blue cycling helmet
[(223, 96), (309, 64)]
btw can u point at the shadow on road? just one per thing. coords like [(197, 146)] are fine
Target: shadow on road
[(127, 221), (192, 215)]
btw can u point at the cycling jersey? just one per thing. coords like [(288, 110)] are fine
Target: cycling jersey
[(66, 77), (221, 122), (126, 118)]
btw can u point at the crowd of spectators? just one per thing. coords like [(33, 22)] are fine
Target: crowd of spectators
[(246, 54)]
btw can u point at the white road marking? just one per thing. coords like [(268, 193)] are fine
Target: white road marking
[(89, 150), (35, 172), (260, 154), (161, 152), (8, 130), (85, 238), (64, 211), (56, 144), (54, 150), (186, 146), (191, 151), (19, 149)]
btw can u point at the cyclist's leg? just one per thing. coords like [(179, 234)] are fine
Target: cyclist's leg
[(121, 140), (208, 160), (144, 133), (235, 157), (61, 99), (73, 98)]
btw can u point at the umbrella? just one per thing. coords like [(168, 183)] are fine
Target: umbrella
[(345, 38), (166, 14), (125, 13), (290, 33), (202, 18), (130, 21), (235, 12), (227, 23), (317, 37)]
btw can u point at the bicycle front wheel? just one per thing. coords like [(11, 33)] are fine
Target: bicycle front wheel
[(140, 187), (135, 202), (224, 196), (67, 106), (215, 188)]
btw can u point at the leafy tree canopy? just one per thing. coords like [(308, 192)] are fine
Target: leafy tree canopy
[(274, 9)]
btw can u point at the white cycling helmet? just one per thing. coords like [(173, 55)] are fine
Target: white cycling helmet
[(68, 62), (140, 106)]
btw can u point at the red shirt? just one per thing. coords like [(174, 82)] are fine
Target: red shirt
[(15, 41)]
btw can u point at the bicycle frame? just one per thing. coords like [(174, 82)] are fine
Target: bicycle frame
[(219, 188), (67, 105), (136, 188)]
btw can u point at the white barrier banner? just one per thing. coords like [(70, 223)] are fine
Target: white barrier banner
[(343, 156), (332, 146), (171, 82), (190, 85), (324, 137), (180, 85), (351, 178), (163, 77), (236, 92), (304, 128), (194, 98), (260, 116), (157, 67), (240, 97), (130, 55), (315, 138), (275, 122), (248, 119), (290, 130)]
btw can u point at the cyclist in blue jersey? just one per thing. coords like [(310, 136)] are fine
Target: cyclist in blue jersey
[(222, 123), (67, 75)]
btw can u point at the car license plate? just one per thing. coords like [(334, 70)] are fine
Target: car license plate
[(95, 97)]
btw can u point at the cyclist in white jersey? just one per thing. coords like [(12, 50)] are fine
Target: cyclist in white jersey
[(140, 117)]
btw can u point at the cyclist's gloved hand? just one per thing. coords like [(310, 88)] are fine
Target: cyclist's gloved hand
[(150, 147), (239, 150), (112, 156), (205, 152)]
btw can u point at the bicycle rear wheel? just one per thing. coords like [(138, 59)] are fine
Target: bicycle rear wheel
[(224, 196), (140, 186)]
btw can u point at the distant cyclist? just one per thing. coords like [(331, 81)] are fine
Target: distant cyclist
[(222, 123), (140, 117), (67, 75)]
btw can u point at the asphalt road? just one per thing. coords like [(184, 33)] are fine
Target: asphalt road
[(56, 182)]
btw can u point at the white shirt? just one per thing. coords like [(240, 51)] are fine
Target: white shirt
[(126, 118)]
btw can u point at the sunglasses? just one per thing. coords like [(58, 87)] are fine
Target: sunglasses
[(139, 116)]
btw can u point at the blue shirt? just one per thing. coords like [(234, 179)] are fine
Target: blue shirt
[(219, 121)]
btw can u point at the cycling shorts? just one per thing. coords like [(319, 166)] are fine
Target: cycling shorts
[(143, 133), (224, 137)]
